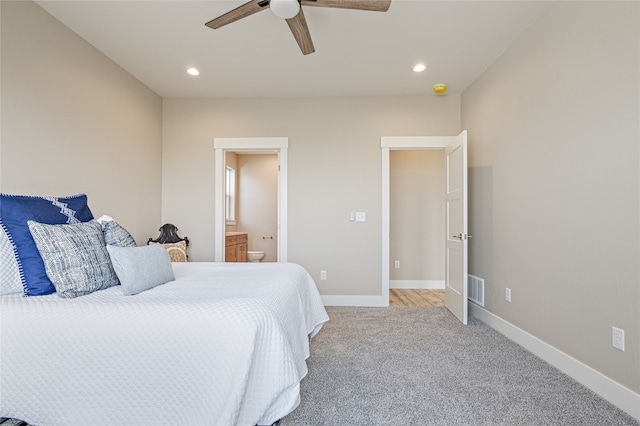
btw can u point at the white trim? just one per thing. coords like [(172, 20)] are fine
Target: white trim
[(278, 145), (360, 301), (234, 144), (417, 284), (415, 142), (617, 394), (386, 224), (282, 203), (218, 207)]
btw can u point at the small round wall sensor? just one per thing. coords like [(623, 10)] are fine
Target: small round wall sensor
[(440, 89)]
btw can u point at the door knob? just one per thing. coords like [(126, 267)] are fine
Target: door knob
[(461, 236)]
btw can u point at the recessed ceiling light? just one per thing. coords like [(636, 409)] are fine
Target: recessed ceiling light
[(193, 71), (420, 68)]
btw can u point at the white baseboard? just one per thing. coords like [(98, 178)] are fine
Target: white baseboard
[(417, 284), (620, 396), (362, 301)]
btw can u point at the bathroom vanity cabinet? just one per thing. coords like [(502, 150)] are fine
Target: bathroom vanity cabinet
[(235, 247)]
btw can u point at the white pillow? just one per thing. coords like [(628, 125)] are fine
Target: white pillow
[(141, 268), (10, 282)]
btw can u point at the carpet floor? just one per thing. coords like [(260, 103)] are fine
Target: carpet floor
[(420, 366)]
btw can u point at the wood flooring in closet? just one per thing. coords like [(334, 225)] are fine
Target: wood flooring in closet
[(414, 297)]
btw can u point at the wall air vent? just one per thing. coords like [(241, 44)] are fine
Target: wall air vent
[(476, 290)]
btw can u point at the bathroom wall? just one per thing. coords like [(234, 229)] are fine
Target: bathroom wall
[(257, 208), (417, 218)]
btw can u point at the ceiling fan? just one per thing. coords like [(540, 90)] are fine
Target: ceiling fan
[(291, 10)]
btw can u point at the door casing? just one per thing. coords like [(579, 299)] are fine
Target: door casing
[(388, 143)]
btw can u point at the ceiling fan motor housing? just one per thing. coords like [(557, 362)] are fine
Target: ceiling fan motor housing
[(285, 9)]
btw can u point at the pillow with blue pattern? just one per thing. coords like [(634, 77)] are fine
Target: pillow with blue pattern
[(116, 235), (16, 210), (75, 257)]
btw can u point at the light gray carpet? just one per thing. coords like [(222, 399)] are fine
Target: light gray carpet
[(420, 366)]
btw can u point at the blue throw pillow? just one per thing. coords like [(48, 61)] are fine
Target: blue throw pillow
[(16, 210)]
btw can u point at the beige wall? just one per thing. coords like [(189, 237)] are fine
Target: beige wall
[(554, 176), (258, 202), (75, 122), (334, 166), (417, 215)]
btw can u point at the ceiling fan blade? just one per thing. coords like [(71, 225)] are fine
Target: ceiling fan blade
[(372, 5), (300, 31), (240, 12)]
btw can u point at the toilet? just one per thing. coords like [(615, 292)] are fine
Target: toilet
[(255, 256)]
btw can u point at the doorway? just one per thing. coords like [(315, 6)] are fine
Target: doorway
[(417, 228), (456, 236), (417, 219), (250, 146), (252, 199)]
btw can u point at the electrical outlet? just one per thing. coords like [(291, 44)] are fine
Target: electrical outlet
[(397, 264), (323, 275), (617, 338), (507, 294)]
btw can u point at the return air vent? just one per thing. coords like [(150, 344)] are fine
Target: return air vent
[(476, 290)]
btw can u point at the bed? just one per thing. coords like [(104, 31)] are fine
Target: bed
[(96, 330), (222, 344)]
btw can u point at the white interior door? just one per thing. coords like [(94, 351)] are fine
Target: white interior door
[(456, 226)]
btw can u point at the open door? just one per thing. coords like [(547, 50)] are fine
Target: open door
[(456, 245)]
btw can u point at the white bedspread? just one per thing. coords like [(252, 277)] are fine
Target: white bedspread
[(223, 344)]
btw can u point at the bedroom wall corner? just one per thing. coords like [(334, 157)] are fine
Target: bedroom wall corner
[(73, 121)]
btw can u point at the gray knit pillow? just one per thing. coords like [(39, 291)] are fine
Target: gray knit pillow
[(75, 257), (141, 268), (116, 235)]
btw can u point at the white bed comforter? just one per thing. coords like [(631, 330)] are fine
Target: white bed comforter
[(223, 344)]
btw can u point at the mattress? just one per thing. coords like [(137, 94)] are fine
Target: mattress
[(223, 344)]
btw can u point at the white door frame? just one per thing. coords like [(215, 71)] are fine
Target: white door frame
[(221, 146), (388, 143)]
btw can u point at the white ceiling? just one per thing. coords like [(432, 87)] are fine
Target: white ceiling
[(358, 53)]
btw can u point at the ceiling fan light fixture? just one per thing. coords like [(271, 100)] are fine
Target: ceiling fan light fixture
[(285, 9), (193, 71)]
